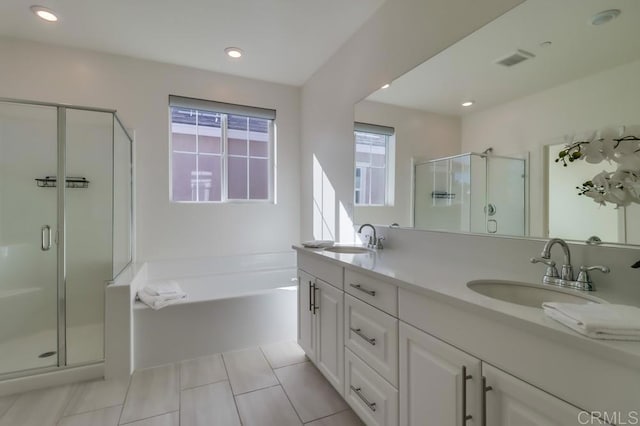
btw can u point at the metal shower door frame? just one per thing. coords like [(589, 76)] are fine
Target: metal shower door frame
[(61, 111)]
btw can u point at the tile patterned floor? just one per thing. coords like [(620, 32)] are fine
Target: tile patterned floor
[(274, 385)]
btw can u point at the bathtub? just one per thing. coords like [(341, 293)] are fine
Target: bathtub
[(233, 303)]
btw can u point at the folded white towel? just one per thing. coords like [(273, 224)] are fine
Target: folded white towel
[(161, 288), (318, 244), (159, 296), (599, 321)]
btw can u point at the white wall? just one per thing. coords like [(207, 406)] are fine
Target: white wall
[(400, 35), (608, 98), (139, 90), (419, 135)]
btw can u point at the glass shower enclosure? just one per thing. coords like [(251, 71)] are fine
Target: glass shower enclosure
[(65, 231), (471, 192)]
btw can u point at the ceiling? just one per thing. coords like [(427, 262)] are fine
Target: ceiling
[(467, 70), (284, 41)]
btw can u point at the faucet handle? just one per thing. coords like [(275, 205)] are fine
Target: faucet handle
[(379, 243), (584, 279), (603, 269), (371, 243), (552, 271)]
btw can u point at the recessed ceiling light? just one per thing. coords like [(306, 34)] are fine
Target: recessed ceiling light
[(604, 16), (386, 86), (44, 13), (233, 52), (546, 44), (468, 103)]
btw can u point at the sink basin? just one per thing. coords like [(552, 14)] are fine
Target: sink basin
[(348, 249), (529, 294)]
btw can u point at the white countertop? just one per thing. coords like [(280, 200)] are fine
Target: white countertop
[(447, 282)]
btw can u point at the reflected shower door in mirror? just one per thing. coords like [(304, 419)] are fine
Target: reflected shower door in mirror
[(538, 74), (471, 193)]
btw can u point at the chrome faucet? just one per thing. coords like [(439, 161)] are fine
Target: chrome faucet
[(567, 269), (565, 278), (374, 241)]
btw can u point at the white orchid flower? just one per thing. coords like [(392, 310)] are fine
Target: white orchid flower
[(601, 180), (596, 195), (630, 161)]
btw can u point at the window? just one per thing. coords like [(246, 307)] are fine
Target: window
[(374, 164), (220, 152)]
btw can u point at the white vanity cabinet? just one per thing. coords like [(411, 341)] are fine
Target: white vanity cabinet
[(412, 358), (439, 384), (321, 317), (306, 317), (512, 402), (329, 311)]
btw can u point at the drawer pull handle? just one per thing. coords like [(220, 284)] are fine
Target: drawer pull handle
[(465, 377), (364, 290), (370, 340), (483, 402), (371, 405), (315, 294)]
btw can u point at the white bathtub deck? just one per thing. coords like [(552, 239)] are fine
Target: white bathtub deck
[(231, 285)]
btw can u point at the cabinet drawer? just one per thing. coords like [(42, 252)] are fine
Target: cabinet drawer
[(370, 396), (373, 336), (325, 270), (375, 292)]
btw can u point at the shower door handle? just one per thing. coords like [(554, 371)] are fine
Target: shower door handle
[(46, 238)]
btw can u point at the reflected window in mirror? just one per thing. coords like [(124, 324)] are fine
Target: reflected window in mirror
[(374, 149)]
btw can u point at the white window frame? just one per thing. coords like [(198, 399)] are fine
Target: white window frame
[(225, 109), (389, 133)]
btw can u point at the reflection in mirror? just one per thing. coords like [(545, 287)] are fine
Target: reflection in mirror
[(472, 193), (606, 222), (538, 78)]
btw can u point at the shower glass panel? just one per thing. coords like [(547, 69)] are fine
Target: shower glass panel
[(122, 189), (478, 172), (505, 196), (61, 239), (442, 194), (28, 225), (88, 231), (471, 193)]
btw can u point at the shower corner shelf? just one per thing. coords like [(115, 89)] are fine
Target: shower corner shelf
[(71, 182), (443, 195)]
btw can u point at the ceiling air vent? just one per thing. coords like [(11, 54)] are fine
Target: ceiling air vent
[(515, 58)]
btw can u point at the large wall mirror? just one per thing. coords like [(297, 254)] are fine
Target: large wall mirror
[(476, 138)]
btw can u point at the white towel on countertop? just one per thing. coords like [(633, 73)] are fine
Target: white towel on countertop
[(596, 320), (162, 288), (318, 244), (149, 296)]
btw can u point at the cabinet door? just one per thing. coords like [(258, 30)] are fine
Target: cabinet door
[(330, 329), (306, 318), (512, 402), (433, 388)]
